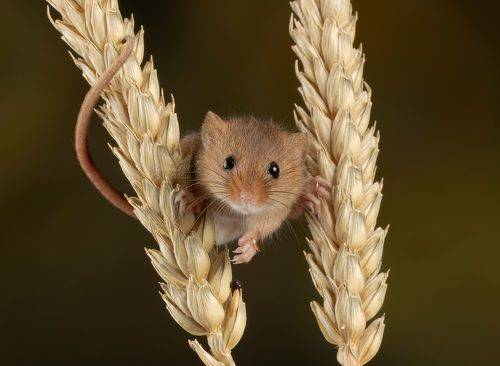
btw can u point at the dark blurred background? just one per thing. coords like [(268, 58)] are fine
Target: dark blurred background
[(75, 285)]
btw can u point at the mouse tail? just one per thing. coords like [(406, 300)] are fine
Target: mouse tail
[(106, 189)]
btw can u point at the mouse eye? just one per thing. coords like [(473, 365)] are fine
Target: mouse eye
[(274, 170), (230, 162)]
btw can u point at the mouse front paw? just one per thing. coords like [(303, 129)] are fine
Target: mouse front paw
[(314, 189), (247, 249), (187, 202)]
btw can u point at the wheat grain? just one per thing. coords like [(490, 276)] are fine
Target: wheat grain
[(346, 247), (197, 277)]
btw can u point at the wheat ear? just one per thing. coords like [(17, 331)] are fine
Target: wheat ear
[(346, 247), (197, 277)]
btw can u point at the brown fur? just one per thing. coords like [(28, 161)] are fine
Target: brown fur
[(254, 144)]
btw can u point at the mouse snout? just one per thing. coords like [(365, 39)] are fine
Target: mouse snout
[(244, 196), (247, 197)]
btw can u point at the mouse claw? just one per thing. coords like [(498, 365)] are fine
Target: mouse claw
[(316, 188), (321, 182), (239, 250), (247, 249), (242, 258), (313, 201), (310, 207)]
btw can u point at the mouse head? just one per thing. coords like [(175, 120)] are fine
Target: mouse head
[(250, 165)]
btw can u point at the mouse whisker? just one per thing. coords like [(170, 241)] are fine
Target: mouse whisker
[(200, 215), (293, 231), (226, 179), (262, 177), (205, 183), (285, 192), (297, 202), (279, 202), (200, 184), (222, 208), (287, 170)]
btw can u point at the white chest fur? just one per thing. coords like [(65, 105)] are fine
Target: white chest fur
[(228, 227)]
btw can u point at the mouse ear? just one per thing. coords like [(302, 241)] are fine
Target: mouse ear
[(213, 126)]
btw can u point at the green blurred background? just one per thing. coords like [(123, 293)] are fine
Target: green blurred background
[(75, 285)]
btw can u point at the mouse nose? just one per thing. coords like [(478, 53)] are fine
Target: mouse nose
[(246, 197)]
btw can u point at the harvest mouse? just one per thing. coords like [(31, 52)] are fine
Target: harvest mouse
[(249, 175)]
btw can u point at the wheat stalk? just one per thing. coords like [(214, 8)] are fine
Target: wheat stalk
[(197, 277), (346, 247)]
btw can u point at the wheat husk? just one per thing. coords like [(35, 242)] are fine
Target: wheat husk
[(196, 275), (345, 246)]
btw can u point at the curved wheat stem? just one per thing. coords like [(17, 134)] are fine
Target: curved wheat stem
[(346, 247), (197, 277)]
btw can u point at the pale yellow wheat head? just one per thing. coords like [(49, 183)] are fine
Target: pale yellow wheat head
[(346, 246), (197, 276)]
